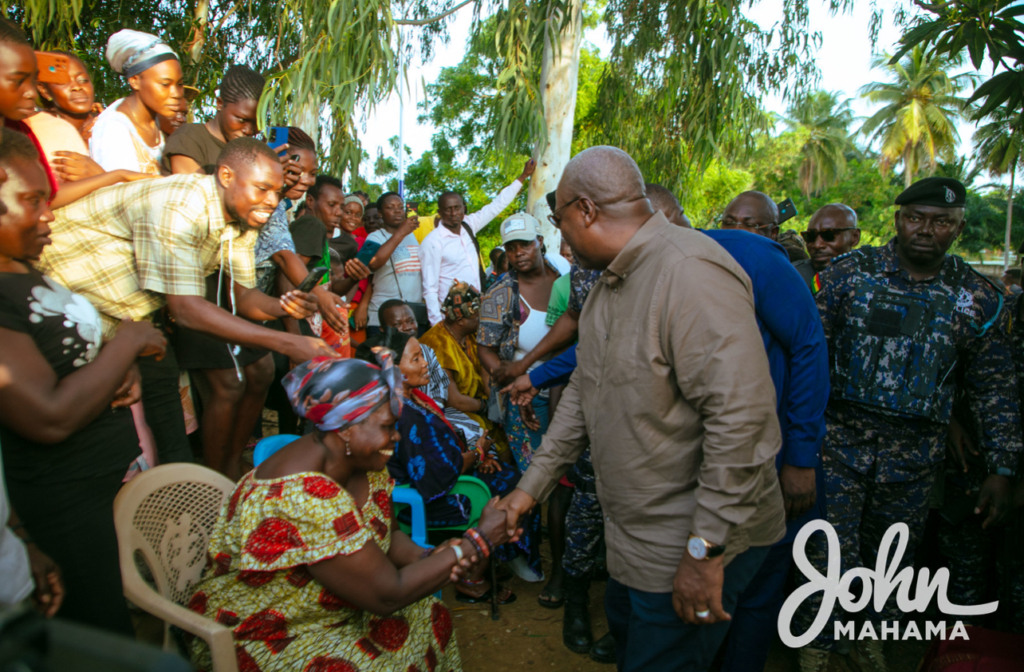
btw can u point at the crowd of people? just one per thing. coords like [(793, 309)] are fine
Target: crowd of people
[(684, 401)]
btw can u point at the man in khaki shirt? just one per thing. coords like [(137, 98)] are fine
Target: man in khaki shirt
[(674, 392)]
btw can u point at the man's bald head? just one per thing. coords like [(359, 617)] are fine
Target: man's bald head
[(842, 214), (604, 175), (664, 200), (601, 203), (837, 222), (752, 211)]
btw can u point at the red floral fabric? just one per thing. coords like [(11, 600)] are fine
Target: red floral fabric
[(258, 583)]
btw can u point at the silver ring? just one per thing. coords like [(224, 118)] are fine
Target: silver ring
[(704, 614)]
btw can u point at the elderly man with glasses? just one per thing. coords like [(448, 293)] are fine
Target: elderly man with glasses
[(832, 232)]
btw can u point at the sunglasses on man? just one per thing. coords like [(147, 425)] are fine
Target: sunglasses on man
[(828, 235)]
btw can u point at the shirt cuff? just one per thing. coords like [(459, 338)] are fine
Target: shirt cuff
[(800, 454), (1001, 462), (708, 525)]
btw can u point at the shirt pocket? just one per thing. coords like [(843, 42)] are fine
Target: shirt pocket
[(621, 347)]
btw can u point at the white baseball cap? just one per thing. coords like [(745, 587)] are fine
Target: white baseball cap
[(520, 226)]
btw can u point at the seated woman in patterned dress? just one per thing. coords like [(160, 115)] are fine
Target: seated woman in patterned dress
[(307, 569), (430, 455)]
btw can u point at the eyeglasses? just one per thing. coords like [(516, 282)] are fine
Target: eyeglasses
[(555, 218), (828, 235), (733, 224)]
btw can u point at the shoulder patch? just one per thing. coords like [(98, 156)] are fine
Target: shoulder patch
[(816, 283)]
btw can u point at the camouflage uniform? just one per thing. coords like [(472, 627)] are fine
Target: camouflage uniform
[(984, 565), (898, 350), (584, 525)]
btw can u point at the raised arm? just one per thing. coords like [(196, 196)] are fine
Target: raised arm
[(389, 246), (70, 192)]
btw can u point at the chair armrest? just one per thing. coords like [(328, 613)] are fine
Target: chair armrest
[(403, 494), (219, 638)]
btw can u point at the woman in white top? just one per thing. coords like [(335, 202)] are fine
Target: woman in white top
[(127, 134)]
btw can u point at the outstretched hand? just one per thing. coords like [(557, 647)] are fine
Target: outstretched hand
[(515, 505), (521, 390), (528, 169), (497, 525)]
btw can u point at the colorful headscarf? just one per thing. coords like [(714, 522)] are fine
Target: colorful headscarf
[(336, 393), (462, 301), (130, 52)]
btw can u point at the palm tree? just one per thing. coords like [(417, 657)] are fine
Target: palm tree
[(825, 121), (999, 144), (915, 127)]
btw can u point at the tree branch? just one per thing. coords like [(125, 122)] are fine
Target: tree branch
[(423, 22)]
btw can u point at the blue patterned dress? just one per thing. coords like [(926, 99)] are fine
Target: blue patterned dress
[(429, 458)]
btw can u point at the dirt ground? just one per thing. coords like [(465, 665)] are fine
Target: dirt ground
[(529, 637)]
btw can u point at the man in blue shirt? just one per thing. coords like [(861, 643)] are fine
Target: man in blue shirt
[(798, 359)]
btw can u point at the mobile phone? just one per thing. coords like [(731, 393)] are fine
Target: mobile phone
[(313, 279), (787, 210), (367, 251), (279, 135), (53, 68), (413, 205)]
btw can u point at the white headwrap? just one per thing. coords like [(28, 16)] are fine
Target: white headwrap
[(130, 52)]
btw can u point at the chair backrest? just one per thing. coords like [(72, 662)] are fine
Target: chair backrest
[(167, 514), (269, 445)]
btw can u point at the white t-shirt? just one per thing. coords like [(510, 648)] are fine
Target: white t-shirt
[(398, 278), (16, 583), (115, 144)]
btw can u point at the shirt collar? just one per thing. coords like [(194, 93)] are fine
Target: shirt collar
[(215, 211), (626, 261), (445, 231), (889, 262)]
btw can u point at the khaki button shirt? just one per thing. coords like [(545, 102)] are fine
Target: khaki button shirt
[(674, 392), (127, 247)]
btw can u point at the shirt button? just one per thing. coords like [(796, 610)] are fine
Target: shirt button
[(615, 291), (606, 337)]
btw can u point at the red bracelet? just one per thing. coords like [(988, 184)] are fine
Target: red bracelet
[(479, 541), (480, 550)]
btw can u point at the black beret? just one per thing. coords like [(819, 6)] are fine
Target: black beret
[(940, 192)]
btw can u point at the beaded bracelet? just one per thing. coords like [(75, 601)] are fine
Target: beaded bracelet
[(478, 541), (490, 546), (480, 549)]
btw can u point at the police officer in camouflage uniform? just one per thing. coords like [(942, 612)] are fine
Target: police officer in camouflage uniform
[(907, 326), (986, 562)]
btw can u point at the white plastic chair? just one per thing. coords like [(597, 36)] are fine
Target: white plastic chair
[(166, 515)]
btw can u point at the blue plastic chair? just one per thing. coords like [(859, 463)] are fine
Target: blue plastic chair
[(402, 495), (477, 492), (269, 445)]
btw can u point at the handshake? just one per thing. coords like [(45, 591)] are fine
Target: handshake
[(500, 518)]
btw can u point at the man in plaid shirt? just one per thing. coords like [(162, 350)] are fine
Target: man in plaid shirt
[(143, 250)]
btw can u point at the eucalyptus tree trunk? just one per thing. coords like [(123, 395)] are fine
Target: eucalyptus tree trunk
[(558, 79), (1009, 219), (202, 17), (306, 115)]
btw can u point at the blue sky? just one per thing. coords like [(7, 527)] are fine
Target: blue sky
[(844, 61)]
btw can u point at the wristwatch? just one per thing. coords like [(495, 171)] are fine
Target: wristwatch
[(701, 549)]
